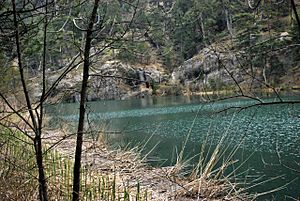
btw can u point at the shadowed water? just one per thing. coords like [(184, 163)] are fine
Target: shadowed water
[(270, 134)]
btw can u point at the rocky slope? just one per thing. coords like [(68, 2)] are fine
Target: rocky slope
[(210, 68), (214, 68), (217, 68)]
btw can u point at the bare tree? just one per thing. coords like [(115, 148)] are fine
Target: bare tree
[(93, 31), (83, 93), (22, 18), (36, 119), (103, 29)]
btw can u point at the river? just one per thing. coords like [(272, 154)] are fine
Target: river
[(268, 136)]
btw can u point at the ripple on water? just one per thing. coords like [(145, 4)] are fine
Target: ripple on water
[(268, 131), (264, 128)]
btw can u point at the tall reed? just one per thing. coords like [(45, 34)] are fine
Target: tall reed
[(18, 173)]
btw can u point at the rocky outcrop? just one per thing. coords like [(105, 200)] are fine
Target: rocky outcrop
[(208, 69), (110, 80), (116, 80), (217, 68)]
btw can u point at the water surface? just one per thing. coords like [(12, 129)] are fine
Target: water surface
[(270, 135)]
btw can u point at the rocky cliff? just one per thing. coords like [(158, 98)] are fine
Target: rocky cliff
[(210, 68), (108, 80), (217, 68)]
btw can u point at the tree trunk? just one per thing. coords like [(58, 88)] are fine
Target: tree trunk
[(296, 14), (229, 22), (43, 193), (83, 93), (264, 75), (202, 26)]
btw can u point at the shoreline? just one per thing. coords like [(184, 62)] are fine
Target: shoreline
[(126, 166), (129, 170)]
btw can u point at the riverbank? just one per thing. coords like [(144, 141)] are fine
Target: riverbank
[(130, 170), (127, 167), (264, 92)]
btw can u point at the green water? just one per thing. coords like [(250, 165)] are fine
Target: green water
[(271, 134)]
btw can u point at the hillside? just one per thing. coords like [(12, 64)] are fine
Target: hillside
[(256, 49), (186, 43)]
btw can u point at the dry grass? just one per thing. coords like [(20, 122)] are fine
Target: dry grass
[(115, 174), (209, 179)]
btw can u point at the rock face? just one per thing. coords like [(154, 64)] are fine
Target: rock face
[(213, 70), (110, 80), (116, 80), (208, 69)]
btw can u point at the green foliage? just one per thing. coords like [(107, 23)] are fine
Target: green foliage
[(169, 59), (134, 52)]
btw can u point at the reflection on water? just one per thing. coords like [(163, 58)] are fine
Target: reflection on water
[(270, 134)]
